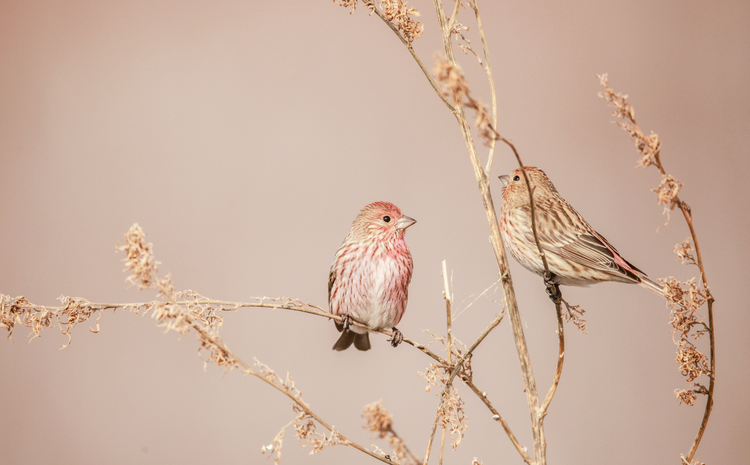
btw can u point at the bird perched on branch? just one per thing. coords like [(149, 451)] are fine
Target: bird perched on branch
[(370, 275), (576, 254)]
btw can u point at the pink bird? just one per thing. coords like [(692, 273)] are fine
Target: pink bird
[(370, 275), (576, 254)]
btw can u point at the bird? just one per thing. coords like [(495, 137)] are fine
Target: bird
[(576, 254), (370, 275)]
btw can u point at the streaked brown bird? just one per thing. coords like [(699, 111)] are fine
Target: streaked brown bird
[(576, 254)]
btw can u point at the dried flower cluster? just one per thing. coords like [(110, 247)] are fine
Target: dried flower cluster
[(684, 252), (379, 421), (307, 434), (19, 311), (177, 311), (183, 312), (667, 192), (273, 378), (400, 15), (684, 300), (649, 146), (693, 363), (454, 85), (15, 311), (347, 4), (450, 413), (304, 423), (397, 12), (686, 396), (275, 446), (452, 416), (463, 43), (140, 258)]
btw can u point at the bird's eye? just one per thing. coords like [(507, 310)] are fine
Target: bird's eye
[(516, 178), (387, 219)]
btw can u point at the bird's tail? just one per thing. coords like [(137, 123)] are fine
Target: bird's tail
[(361, 341), (651, 285)]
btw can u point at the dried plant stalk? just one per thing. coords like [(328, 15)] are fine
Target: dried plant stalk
[(684, 299), (186, 312)]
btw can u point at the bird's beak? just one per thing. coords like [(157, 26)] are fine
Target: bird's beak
[(405, 222), (504, 179)]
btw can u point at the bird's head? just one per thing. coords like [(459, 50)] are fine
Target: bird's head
[(515, 193), (380, 221)]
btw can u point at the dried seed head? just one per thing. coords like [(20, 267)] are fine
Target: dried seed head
[(399, 13), (684, 252), (686, 396), (396, 12), (454, 85), (377, 419), (140, 259), (648, 146)]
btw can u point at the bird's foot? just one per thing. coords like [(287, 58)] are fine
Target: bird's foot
[(396, 338), (347, 322), (552, 283)]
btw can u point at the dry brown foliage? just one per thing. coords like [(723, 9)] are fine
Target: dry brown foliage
[(683, 298), (453, 83), (397, 12), (450, 413), (379, 421), (649, 146)]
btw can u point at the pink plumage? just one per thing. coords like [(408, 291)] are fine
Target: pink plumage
[(370, 275), (576, 254)]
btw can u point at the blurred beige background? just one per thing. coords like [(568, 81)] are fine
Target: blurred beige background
[(245, 136)]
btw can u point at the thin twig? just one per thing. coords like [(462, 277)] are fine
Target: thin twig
[(442, 446), (448, 312), (166, 289), (413, 54), (493, 94), (452, 21), (432, 436), (558, 302), (459, 363), (263, 302), (560, 360), (496, 416)]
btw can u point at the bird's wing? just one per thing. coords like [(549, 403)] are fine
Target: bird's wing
[(331, 280), (572, 238)]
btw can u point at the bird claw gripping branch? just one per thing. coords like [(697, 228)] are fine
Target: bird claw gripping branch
[(347, 322), (553, 287), (396, 338)]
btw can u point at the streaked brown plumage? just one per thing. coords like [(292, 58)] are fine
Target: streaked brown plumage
[(576, 254)]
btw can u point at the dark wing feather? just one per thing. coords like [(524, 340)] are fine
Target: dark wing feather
[(331, 280)]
